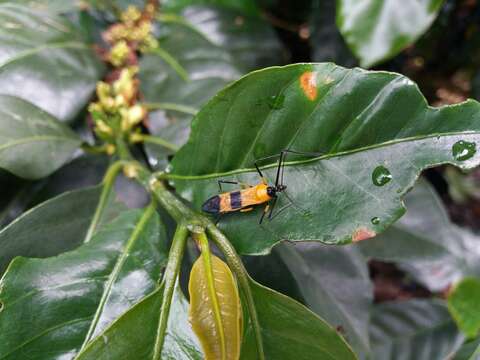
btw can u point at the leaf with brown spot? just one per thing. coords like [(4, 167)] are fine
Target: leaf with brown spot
[(376, 133)]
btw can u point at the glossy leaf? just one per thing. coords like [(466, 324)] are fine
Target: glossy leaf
[(463, 305), (335, 284), (375, 129), (242, 6), (53, 306), (376, 30), (215, 47), (413, 329), (31, 45), (132, 336), (215, 311), (289, 330), (48, 6), (33, 143), (53, 227), (426, 244)]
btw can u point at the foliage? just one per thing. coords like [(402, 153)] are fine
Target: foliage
[(98, 94)]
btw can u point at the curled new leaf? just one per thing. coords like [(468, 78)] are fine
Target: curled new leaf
[(215, 311)]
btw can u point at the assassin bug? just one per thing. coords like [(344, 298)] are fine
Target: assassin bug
[(251, 195)]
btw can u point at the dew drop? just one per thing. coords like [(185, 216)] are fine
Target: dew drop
[(375, 220), (276, 101), (463, 150), (381, 176)]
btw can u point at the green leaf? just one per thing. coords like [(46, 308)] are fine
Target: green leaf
[(53, 306), (426, 244), (289, 331), (133, 334), (53, 227), (33, 144), (45, 60), (377, 30), (244, 6), (47, 6), (413, 329), (335, 284), (215, 47), (373, 127), (463, 305)]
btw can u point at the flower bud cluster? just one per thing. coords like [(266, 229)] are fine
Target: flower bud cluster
[(133, 33), (117, 113)]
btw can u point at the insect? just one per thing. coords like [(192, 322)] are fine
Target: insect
[(249, 196)]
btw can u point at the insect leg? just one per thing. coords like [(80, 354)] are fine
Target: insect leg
[(220, 182), (274, 202), (264, 212), (261, 159)]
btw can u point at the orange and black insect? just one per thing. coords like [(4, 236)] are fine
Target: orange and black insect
[(251, 195)]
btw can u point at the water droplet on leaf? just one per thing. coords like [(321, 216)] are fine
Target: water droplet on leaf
[(276, 101), (381, 175), (463, 150), (375, 220)]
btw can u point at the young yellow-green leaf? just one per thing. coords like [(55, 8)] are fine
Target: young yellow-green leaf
[(376, 30), (375, 130), (289, 331), (215, 310), (463, 303)]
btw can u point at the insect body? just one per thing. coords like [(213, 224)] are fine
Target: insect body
[(242, 200), (249, 196)]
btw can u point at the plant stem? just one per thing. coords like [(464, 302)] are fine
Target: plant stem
[(158, 141), (107, 182), (184, 216), (169, 280), (236, 265), (171, 106)]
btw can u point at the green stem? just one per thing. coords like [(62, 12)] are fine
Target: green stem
[(169, 280), (171, 106), (107, 182), (158, 141), (236, 265), (170, 60), (207, 263), (182, 214)]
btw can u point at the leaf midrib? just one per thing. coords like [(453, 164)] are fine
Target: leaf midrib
[(139, 227), (38, 49), (37, 138), (174, 176)]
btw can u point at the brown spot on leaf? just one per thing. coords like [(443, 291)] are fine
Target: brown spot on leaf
[(362, 234), (308, 82)]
